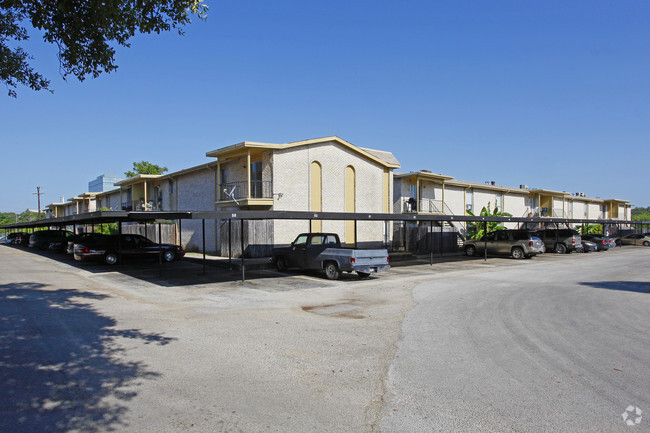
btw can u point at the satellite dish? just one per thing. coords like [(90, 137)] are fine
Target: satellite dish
[(231, 194)]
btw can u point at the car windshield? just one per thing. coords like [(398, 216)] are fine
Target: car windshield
[(300, 240)]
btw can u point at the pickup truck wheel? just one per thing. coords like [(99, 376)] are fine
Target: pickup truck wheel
[(560, 249), (518, 253), (281, 264), (363, 274), (332, 271), (110, 258), (646, 244), (470, 250), (169, 256)]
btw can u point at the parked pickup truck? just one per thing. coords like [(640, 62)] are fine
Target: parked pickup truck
[(315, 251)]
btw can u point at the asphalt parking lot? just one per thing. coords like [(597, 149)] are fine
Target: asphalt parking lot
[(463, 345)]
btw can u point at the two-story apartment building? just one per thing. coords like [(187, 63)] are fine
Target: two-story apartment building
[(327, 174)]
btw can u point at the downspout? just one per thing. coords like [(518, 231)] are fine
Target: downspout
[(443, 198)]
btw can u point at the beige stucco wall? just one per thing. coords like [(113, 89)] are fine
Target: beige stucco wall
[(194, 191), (291, 177)]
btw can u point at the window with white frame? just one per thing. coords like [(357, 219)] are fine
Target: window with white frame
[(499, 202), (469, 200)]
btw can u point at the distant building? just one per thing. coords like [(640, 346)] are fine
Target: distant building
[(105, 182)]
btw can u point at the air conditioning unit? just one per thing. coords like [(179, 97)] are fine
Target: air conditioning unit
[(523, 186)]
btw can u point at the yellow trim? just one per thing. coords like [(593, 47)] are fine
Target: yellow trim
[(248, 172), (316, 193)]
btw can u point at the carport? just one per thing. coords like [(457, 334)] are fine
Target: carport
[(157, 217), (104, 217)]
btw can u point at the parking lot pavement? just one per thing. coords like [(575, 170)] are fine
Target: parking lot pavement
[(562, 345), (126, 349), (140, 347)]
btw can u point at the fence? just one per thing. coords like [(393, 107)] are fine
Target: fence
[(258, 238), (150, 231), (421, 238)]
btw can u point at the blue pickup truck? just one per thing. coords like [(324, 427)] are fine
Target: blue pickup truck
[(323, 251)]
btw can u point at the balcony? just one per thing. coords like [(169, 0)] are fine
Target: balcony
[(261, 193), (424, 206)]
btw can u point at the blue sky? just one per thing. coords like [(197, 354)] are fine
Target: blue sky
[(552, 94)]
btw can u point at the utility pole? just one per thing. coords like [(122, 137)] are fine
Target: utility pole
[(38, 193)]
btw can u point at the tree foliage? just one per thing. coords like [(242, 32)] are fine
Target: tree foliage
[(12, 217), (84, 31), (589, 229), (475, 229), (641, 214), (145, 167)]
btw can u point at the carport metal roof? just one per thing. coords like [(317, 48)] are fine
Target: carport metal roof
[(100, 217)]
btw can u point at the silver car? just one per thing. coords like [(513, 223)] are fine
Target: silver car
[(518, 244)]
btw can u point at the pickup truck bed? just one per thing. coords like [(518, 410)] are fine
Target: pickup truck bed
[(322, 251)]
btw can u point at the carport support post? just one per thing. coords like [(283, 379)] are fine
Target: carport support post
[(485, 237), (243, 265), (355, 234), (230, 243), (119, 241), (159, 250), (442, 226), (203, 238), (431, 242)]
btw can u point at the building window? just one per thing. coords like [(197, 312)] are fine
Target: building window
[(499, 202), (256, 179), (469, 200), (223, 176)]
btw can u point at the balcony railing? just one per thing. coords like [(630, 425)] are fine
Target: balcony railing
[(239, 190), (140, 206), (425, 205)]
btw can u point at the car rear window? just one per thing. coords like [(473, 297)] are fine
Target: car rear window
[(521, 236)]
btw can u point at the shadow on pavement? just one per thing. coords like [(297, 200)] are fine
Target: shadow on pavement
[(625, 286), (60, 366), (184, 272)]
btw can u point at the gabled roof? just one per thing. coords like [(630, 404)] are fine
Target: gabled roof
[(381, 157)]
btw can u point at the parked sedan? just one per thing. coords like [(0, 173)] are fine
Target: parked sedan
[(22, 239), (635, 239), (517, 243), (603, 243), (82, 238), (11, 237), (110, 248), (587, 246), (43, 238)]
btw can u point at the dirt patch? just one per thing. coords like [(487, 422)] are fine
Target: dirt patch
[(345, 310)]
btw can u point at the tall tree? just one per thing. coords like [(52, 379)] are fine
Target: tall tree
[(85, 32), (145, 167)]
